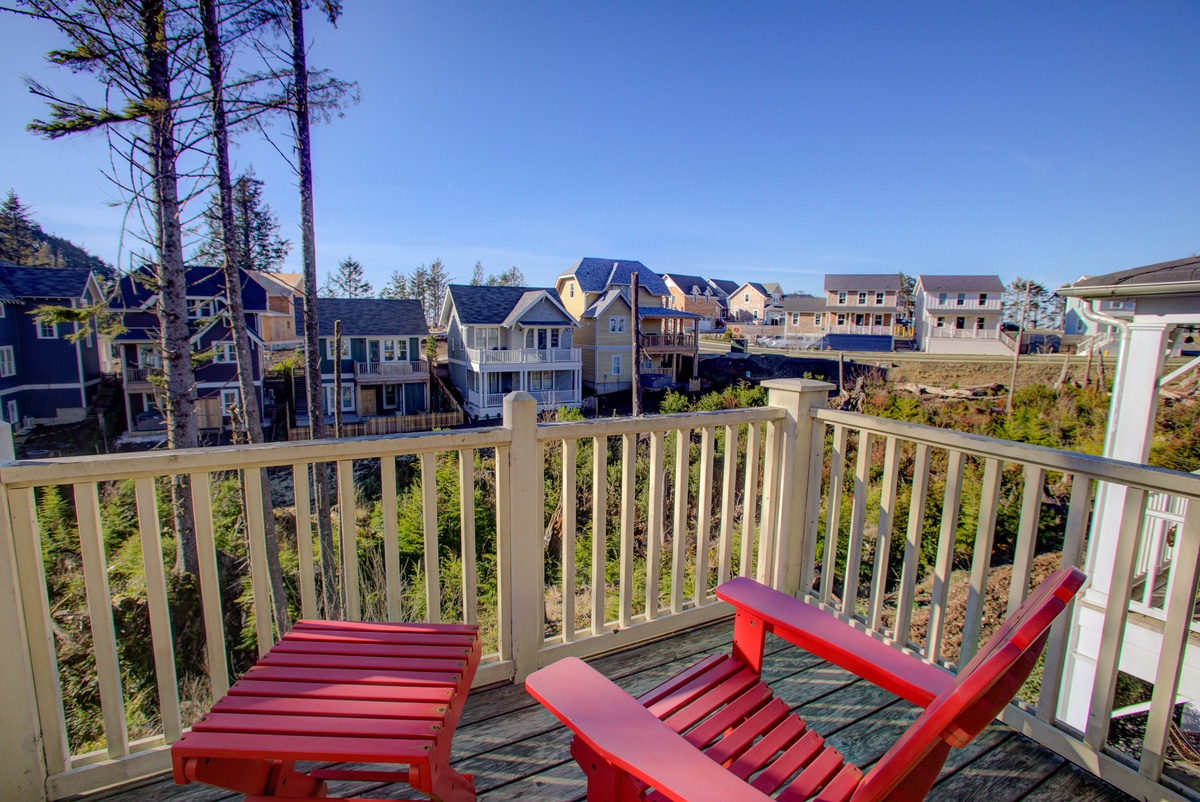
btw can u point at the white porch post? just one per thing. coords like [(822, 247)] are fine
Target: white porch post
[(521, 544), (1130, 427)]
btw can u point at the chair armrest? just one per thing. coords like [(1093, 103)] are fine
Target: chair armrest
[(829, 638), (622, 731)]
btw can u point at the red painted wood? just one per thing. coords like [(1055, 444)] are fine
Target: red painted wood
[(410, 650), (659, 691), (302, 747), (699, 685), (738, 741), (347, 661), (248, 686), (714, 698), (814, 777), (774, 742), (268, 724), (371, 638), (799, 754), (732, 714), (292, 706), (342, 676), (434, 630)]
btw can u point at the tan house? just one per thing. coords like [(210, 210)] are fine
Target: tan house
[(694, 294), (597, 292), (862, 311), (285, 294), (753, 302), (804, 317)]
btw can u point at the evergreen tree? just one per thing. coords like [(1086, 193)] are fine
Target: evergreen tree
[(18, 241), (513, 277), (255, 226), (348, 281), (906, 296), (436, 284), (477, 277), (397, 286)]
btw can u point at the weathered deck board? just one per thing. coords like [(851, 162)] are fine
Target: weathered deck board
[(518, 751)]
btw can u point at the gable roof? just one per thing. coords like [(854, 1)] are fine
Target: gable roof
[(479, 305), (863, 281), (18, 283), (204, 281), (606, 300), (802, 303), (760, 288), (597, 275), (1163, 278), (724, 286), (961, 283), (368, 317), (687, 284)]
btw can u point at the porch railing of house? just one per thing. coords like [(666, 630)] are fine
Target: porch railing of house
[(1007, 339), (544, 398), (389, 424), (849, 328), (969, 304), (951, 333), (416, 367), (757, 492), (141, 374), (523, 356), (669, 341)]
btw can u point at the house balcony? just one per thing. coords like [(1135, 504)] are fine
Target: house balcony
[(873, 331), (969, 304), (669, 343), (904, 531), (143, 380), (490, 403), (524, 356), (951, 333), (391, 372)]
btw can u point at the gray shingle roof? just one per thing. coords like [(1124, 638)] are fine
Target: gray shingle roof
[(17, 282), (368, 317), (596, 275), (863, 281), (802, 303), (725, 286), (479, 305), (1179, 271), (686, 283), (961, 283), (204, 281)]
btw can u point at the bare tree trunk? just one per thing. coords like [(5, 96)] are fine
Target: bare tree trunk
[(308, 248), (233, 292), (175, 336), (1012, 384)]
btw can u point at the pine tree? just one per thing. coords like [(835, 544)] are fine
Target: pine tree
[(397, 287), (18, 242), (477, 277), (513, 277), (436, 284), (256, 227), (348, 281)]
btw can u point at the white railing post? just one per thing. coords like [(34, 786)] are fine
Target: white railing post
[(527, 605), (798, 397), (23, 771)]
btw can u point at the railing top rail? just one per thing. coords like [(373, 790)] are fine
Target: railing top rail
[(1127, 473), (111, 467), (610, 427)]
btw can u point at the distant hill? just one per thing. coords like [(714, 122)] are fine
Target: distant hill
[(55, 251)]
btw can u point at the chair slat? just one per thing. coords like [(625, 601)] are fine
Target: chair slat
[(729, 716), (739, 740)]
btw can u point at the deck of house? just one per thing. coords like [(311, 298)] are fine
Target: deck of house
[(516, 750)]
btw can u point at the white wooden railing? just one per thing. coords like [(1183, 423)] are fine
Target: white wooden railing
[(523, 356), (403, 368), (951, 333), (850, 328), (774, 484), (970, 303)]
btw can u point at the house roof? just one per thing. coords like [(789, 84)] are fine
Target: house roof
[(802, 303), (368, 317), (604, 301), (17, 283), (289, 283), (688, 284), (479, 305), (597, 275), (1164, 278), (725, 286), (663, 312), (863, 281), (961, 283), (204, 281)]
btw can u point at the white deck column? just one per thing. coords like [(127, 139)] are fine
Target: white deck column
[(527, 591), (1130, 427)]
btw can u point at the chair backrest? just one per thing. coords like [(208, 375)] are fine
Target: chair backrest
[(980, 691)]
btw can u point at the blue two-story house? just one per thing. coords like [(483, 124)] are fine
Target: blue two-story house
[(381, 365), (44, 377), (139, 356)]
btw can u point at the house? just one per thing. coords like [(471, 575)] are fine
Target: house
[(695, 294), (285, 294), (722, 289), (960, 315), (503, 339), (862, 310), (139, 356), (804, 319), (753, 302), (44, 377), (597, 293), (382, 370)]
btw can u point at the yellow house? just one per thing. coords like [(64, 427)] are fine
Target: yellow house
[(597, 292)]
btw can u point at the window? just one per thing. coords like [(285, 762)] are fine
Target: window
[(46, 331), (982, 298), (201, 308), (345, 348), (88, 342), (941, 322), (795, 318), (879, 299), (862, 299), (2, 312), (747, 297), (571, 288), (389, 350), (347, 398), (224, 352), (229, 401), (391, 396), (817, 319), (841, 319), (979, 324), (148, 357), (962, 299), (555, 334), (841, 299), (8, 365), (616, 325), (10, 413), (941, 299), (861, 320), (541, 380), (879, 320), (960, 322), (616, 365), (485, 339)]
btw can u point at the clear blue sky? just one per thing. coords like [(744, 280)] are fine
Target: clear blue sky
[(767, 141)]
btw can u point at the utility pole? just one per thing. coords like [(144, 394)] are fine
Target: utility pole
[(1012, 384), (637, 347)]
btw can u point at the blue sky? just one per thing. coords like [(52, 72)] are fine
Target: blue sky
[(765, 141)]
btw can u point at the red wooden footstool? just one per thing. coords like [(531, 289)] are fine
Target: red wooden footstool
[(339, 692)]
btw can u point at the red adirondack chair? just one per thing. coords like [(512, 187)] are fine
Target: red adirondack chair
[(705, 733)]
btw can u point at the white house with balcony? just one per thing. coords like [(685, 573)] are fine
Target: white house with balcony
[(504, 339), (960, 315)]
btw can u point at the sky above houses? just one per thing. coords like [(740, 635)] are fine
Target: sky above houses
[(769, 141)]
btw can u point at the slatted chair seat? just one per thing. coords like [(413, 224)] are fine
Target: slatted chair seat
[(717, 732), (339, 692)]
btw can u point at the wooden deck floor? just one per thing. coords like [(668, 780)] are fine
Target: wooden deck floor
[(518, 751)]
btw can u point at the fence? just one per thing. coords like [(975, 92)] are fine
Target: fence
[(388, 424)]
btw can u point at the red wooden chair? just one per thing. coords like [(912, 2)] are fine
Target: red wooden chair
[(704, 734)]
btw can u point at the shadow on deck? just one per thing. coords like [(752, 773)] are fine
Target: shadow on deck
[(516, 750)]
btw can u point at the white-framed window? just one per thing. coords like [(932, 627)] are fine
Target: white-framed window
[(571, 288), (841, 299), (841, 319), (941, 323), (2, 308), (982, 298), (8, 363), (879, 320), (347, 397), (46, 331), (486, 338), (941, 299), (224, 352), (979, 324), (345, 348), (862, 299), (795, 318), (10, 413), (389, 351), (204, 307), (555, 338), (150, 402), (391, 396), (541, 380), (747, 299), (616, 325), (616, 365), (817, 319), (879, 299), (229, 401), (962, 299)]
